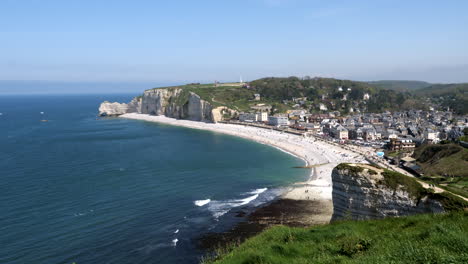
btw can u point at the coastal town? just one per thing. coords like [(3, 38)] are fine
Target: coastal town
[(393, 135)]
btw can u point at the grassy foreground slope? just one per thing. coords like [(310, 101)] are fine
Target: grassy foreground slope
[(441, 238)]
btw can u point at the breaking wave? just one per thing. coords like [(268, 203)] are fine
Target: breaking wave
[(219, 208), (202, 202)]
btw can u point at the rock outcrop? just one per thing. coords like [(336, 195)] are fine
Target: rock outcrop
[(113, 109), (171, 102), (362, 192)]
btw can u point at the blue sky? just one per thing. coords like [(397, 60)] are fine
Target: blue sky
[(184, 41)]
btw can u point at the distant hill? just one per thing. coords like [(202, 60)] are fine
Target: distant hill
[(335, 94), (454, 96), (400, 85)]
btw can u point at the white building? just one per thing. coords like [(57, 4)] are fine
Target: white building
[(340, 132), (262, 116), (431, 135), (366, 96), (248, 117), (278, 120)]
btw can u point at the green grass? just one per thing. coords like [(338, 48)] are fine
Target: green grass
[(458, 185), (353, 170), (234, 97), (445, 165), (396, 180), (447, 159), (441, 238)]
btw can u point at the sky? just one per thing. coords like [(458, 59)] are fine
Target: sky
[(181, 41)]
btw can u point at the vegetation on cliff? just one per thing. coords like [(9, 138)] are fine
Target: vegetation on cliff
[(441, 238), (445, 165), (397, 181)]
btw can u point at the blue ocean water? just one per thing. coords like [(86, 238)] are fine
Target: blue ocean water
[(88, 190)]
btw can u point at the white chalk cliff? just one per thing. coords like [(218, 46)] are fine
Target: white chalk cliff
[(365, 195), (171, 102)]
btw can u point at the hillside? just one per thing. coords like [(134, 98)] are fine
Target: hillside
[(445, 165), (400, 85), (454, 96), (327, 94), (334, 94), (439, 238)]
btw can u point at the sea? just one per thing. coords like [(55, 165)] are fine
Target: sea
[(76, 188)]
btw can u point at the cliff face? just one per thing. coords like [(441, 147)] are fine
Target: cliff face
[(361, 192), (171, 102)]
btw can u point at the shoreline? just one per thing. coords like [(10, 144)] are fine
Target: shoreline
[(318, 185), (305, 203)]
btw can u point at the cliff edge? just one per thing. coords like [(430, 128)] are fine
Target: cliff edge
[(361, 191)]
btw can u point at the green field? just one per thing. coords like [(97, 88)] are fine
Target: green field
[(441, 238)]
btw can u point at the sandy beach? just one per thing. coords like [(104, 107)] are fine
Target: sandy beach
[(312, 151)]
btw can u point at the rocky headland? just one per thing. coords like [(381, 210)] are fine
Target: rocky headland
[(170, 102), (362, 191)]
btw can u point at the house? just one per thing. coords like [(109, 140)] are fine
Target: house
[(257, 97), (323, 107), (366, 96), (340, 132), (401, 144), (431, 136)]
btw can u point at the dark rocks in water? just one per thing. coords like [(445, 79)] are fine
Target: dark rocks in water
[(289, 212)]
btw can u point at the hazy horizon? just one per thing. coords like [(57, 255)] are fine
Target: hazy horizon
[(22, 87)]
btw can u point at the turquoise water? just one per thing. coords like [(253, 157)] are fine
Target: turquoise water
[(88, 190)]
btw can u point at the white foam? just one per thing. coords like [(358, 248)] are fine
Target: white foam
[(219, 208), (174, 242), (177, 231), (202, 202), (247, 200), (258, 191)]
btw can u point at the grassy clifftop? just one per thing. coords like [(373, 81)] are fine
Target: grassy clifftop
[(230, 95), (417, 239)]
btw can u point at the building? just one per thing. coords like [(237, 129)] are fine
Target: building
[(262, 116), (431, 136), (340, 132), (401, 144), (278, 120), (248, 117), (257, 97)]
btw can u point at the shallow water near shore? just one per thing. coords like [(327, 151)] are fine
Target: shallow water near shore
[(76, 188)]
